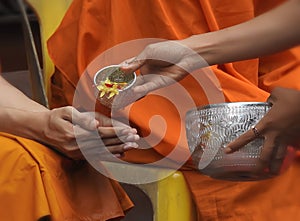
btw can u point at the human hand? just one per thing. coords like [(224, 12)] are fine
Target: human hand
[(70, 132), (280, 128), (162, 64)]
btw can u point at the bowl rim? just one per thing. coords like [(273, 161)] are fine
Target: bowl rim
[(229, 104), (115, 66)]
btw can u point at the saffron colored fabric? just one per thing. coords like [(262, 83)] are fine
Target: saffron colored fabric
[(37, 183), (95, 33)]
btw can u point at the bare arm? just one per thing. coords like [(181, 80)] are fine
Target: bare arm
[(13, 98), (271, 32), (61, 128), (17, 110), (167, 61)]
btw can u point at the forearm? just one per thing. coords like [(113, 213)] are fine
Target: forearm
[(268, 33), (11, 97), (19, 114), (23, 123)]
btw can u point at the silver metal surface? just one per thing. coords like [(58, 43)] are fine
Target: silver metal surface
[(110, 72), (210, 128)]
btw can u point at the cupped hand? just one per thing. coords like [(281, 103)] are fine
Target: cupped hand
[(162, 64), (73, 133), (280, 128)]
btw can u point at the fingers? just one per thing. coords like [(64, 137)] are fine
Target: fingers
[(197, 154), (272, 155), (142, 90), (105, 121), (122, 148), (108, 135), (99, 152), (105, 152), (108, 128), (91, 145), (85, 120), (71, 131), (96, 147), (132, 64), (277, 159), (266, 153), (111, 145), (241, 141), (275, 95), (120, 140), (150, 82), (106, 132)]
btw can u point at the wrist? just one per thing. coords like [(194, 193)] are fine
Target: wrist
[(28, 124), (207, 45)]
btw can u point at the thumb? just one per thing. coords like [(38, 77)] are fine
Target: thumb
[(132, 64), (84, 120)]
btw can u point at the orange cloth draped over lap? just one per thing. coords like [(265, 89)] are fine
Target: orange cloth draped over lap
[(37, 182), (98, 33)]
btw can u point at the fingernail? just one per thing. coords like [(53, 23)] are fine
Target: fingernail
[(132, 137), (95, 123), (133, 130), (130, 145), (119, 155), (129, 131), (227, 150)]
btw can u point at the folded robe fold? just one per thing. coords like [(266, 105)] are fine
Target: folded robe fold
[(37, 182)]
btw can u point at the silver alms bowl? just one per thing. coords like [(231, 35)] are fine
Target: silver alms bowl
[(114, 74), (210, 128)]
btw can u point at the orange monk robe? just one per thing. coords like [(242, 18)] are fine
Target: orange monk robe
[(93, 27), (36, 182)]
